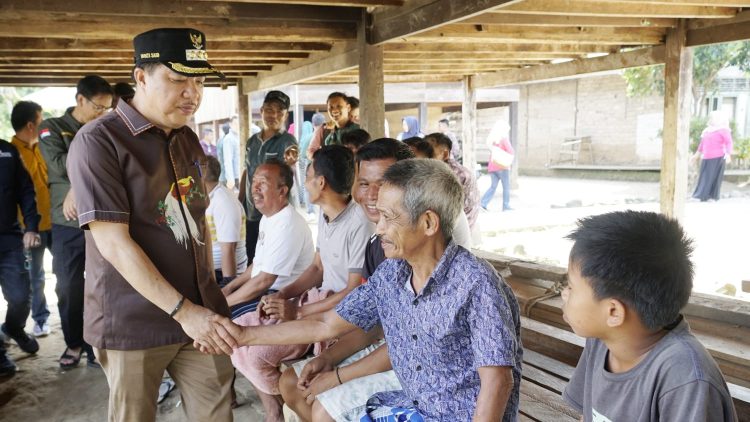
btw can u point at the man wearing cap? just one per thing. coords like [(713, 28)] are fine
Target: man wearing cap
[(273, 141), (138, 174)]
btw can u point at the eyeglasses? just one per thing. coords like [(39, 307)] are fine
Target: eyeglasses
[(97, 107)]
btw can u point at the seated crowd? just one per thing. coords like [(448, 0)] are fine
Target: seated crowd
[(387, 316)]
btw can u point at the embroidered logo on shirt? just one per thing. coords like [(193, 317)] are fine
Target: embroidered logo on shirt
[(171, 216)]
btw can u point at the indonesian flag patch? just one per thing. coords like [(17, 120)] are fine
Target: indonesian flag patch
[(44, 133)]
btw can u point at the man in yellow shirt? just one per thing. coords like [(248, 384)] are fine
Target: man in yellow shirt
[(26, 118)]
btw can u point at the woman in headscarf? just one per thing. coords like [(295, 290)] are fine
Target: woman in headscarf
[(715, 151), (411, 128)]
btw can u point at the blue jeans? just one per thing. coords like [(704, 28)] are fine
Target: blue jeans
[(14, 280), (498, 176), (39, 310)]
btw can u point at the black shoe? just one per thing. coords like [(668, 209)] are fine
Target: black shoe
[(7, 367), (24, 341)]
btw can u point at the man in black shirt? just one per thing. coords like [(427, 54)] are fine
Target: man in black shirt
[(14, 276)]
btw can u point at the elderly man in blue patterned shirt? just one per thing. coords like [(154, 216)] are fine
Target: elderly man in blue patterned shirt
[(451, 323)]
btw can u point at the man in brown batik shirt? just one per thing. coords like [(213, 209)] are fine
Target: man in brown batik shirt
[(137, 174)]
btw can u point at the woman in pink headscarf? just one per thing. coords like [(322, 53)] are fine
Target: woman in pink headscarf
[(715, 151)]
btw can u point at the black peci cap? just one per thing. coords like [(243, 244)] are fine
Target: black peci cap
[(181, 49), (279, 97)]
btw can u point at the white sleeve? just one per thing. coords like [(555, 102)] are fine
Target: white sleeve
[(228, 152), (227, 219), (462, 232)]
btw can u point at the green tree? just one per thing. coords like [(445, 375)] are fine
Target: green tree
[(9, 96), (708, 60)]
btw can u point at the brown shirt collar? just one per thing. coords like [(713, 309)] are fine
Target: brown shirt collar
[(133, 119)]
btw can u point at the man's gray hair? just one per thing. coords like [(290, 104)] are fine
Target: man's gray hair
[(428, 185)]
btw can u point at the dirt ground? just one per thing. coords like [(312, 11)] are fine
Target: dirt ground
[(545, 210)]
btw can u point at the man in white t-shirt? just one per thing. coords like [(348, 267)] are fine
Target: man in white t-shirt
[(226, 222), (285, 247)]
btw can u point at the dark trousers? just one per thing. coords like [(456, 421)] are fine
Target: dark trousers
[(251, 239), (14, 280), (39, 310), (69, 251)]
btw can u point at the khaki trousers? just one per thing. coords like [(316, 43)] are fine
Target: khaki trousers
[(134, 376)]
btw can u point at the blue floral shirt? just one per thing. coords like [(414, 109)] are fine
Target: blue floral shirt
[(464, 318)]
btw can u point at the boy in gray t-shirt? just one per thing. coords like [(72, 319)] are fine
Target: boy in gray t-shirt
[(629, 275)]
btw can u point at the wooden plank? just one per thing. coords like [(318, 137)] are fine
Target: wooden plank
[(551, 341), (187, 9), (544, 405), (634, 58), (419, 17), (637, 9), (469, 118), (548, 364), (498, 17), (746, 286), (718, 34), (371, 83), (543, 379), (103, 27), (542, 35), (70, 45), (534, 270), (244, 116), (324, 66), (348, 3), (562, 49), (675, 137)]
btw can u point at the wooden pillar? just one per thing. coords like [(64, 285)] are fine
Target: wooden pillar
[(513, 117), (243, 113), (371, 91), (469, 123), (678, 77), (299, 114), (423, 117)]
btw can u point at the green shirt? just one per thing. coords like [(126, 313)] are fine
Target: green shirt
[(55, 136), (334, 138), (257, 152)]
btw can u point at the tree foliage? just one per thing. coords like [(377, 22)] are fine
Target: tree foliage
[(708, 60), (9, 96)]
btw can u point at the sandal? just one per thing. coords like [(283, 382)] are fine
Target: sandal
[(68, 356)]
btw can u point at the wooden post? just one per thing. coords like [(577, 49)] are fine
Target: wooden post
[(243, 113), (423, 117), (299, 114), (513, 117), (371, 91), (468, 119), (678, 77)]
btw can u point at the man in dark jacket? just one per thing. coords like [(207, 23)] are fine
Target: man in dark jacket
[(18, 190)]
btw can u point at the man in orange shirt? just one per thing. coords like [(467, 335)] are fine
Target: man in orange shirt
[(25, 119)]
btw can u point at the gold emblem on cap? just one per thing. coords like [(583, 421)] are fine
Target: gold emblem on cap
[(179, 67), (197, 40)]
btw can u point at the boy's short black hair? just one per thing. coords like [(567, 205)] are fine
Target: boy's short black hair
[(93, 85), (438, 138), (24, 112), (213, 169), (420, 145), (356, 138), (123, 89), (353, 102), (640, 258), (336, 164), (337, 94), (382, 149)]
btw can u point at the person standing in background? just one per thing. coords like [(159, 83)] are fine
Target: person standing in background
[(26, 118), (93, 99), (501, 159), (715, 152)]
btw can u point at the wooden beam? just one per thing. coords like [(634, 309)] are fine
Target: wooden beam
[(371, 83), (244, 116), (541, 35), (420, 16), (733, 30), (347, 3), (544, 20), (72, 81), (705, 3), (115, 56), (482, 47), (637, 9), (324, 66), (74, 44), (634, 58), (678, 76), (81, 67), (469, 121), (103, 27), (186, 9)]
